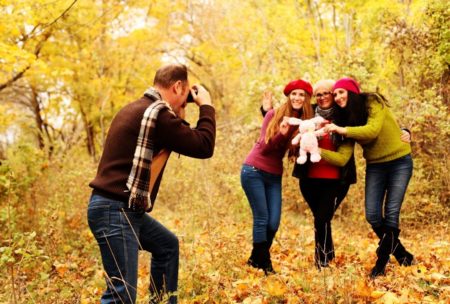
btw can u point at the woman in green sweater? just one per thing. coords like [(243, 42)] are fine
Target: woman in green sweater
[(389, 165)]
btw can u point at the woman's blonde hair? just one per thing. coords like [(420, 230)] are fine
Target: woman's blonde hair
[(326, 84), (286, 109)]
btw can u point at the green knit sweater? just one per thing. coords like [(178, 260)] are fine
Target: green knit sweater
[(341, 156), (380, 137)]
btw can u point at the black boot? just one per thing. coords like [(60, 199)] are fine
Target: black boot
[(324, 247), (385, 248), (260, 258), (320, 256), (267, 262), (269, 268), (270, 237), (256, 258), (404, 258), (379, 231)]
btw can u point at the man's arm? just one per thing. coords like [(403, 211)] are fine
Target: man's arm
[(174, 134)]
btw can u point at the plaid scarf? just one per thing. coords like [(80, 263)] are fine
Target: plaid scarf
[(139, 178)]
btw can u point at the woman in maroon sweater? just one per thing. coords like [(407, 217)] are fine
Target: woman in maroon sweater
[(262, 169)]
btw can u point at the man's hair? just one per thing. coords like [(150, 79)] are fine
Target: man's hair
[(169, 74)]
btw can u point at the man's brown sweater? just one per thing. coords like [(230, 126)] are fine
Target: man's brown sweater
[(171, 133)]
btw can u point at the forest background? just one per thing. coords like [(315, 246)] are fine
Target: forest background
[(68, 66)]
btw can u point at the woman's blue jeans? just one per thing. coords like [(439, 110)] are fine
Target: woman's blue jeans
[(120, 234), (263, 191), (386, 183)]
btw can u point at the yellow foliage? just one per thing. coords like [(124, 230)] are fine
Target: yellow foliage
[(275, 287), (389, 298)]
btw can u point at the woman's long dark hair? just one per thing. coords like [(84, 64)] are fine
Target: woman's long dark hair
[(356, 111)]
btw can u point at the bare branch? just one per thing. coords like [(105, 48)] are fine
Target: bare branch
[(15, 78), (62, 15), (36, 52), (38, 48)]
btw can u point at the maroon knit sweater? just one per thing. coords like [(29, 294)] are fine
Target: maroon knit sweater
[(171, 133), (269, 156)]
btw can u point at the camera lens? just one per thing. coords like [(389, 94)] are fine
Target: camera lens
[(190, 98)]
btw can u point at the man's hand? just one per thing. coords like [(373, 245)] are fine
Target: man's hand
[(267, 103), (201, 95), (335, 129)]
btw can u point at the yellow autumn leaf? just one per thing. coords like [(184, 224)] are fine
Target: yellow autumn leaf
[(388, 298), (439, 277), (253, 300), (419, 271), (377, 294), (61, 268), (275, 287), (200, 250), (362, 289), (243, 288)]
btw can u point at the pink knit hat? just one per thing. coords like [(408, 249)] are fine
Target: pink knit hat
[(348, 84), (298, 84)]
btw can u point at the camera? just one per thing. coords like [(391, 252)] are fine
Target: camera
[(190, 98)]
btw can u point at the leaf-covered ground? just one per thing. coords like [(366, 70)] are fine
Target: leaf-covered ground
[(213, 265), (49, 253)]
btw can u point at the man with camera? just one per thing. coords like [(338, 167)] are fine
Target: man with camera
[(139, 141)]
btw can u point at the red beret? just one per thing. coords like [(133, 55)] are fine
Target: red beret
[(298, 84), (348, 84)]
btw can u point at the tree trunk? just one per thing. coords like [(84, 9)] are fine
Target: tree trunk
[(445, 86), (36, 108), (90, 134), (315, 32), (335, 27), (42, 126)]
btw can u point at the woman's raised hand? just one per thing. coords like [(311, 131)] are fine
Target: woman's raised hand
[(267, 103)]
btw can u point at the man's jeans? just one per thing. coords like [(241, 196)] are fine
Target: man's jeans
[(387, 181), (120, 233), (263, 192)]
